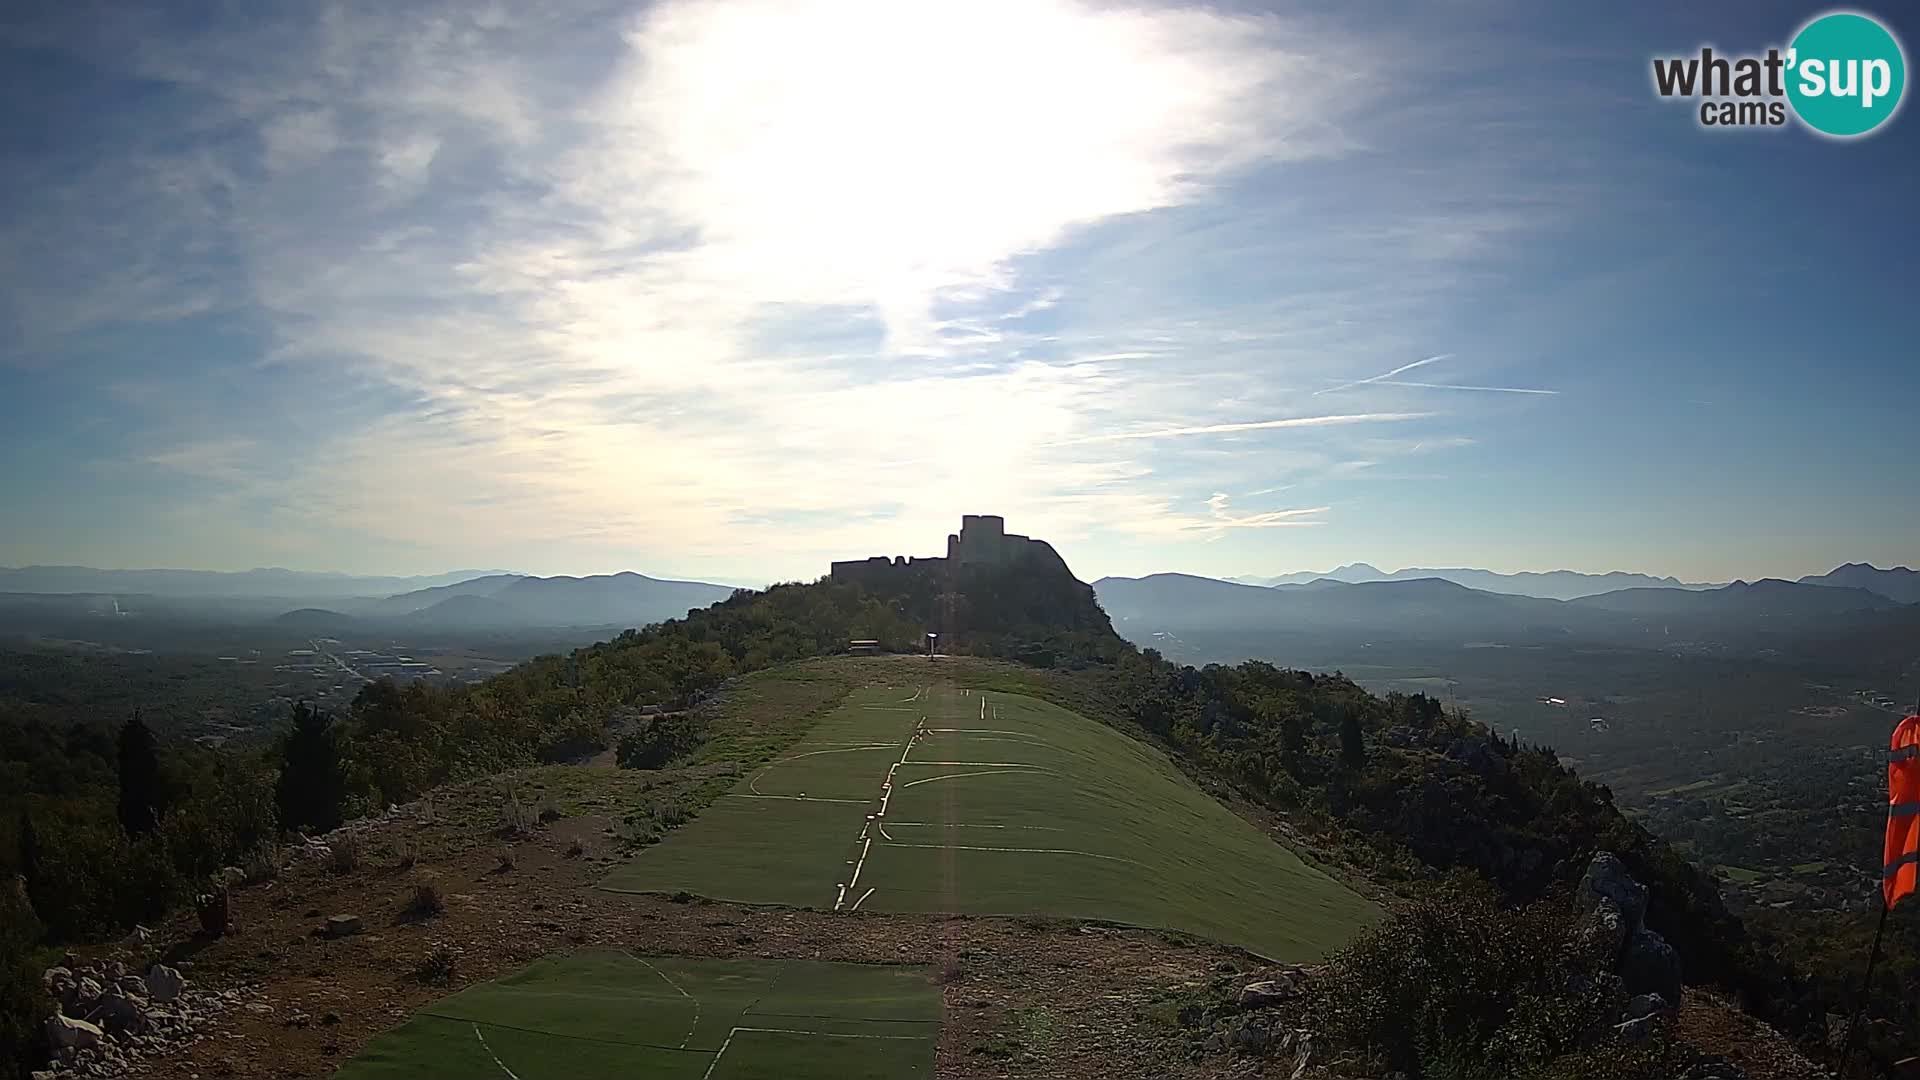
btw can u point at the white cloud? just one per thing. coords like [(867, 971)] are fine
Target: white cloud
[(733, 274)]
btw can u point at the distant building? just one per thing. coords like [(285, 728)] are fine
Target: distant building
[(983, 540)]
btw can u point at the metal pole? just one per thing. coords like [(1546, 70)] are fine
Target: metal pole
[(1866, 989)]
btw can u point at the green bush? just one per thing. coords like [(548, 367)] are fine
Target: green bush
[(22, 1005), (660, 741), (1458, 987)]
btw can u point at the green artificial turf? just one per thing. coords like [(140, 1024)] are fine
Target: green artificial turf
[(602, 1012), (1005, 805)]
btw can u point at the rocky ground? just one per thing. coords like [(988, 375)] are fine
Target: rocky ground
[(483, 879)]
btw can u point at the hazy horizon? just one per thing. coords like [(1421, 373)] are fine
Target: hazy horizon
[(757, 582), (670, 287)]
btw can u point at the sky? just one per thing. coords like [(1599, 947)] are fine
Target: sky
[(729, 290)]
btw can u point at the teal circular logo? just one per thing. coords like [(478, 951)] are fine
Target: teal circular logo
[(1845, 74)]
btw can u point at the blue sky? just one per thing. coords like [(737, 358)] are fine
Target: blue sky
[(732, 289)]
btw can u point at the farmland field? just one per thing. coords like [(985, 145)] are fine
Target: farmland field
[(603, 1012), (937, 799)]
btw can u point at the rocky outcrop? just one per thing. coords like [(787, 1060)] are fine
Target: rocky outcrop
[(1650, 966), (1613, 910), (107, 1020)]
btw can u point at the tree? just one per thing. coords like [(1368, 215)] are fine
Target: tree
[(142, 800), (1293, 740), (22, 1002), (1353, 749), (29, 851), (313, 783)]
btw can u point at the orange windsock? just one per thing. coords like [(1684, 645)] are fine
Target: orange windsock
[(1900, 869)]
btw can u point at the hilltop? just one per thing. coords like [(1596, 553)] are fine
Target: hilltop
[(772, 800)]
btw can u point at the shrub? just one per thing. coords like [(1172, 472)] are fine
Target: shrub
[(515, 818), (344, 854), (437, 966), (427, 897), (22, 1004), (660, 740), (262, 863), (1457, 986)]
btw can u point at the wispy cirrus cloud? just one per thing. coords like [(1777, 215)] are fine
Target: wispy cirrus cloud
[(599, 287), (1326, 420)]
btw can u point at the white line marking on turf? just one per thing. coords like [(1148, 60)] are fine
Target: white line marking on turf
[(830, 1034), (1025, 850), (991, 764), (975, 731), (715, 1063), (865, 846), (491, 1054), (962, 825), (839, 750), (683, 993), (980, 772), (886, 793), (794, 798), (863, 898), (718, 1054)]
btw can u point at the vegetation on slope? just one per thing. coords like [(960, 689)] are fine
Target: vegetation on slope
[(1408, 788)]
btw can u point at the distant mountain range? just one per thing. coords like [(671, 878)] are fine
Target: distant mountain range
[(1898, 583), (1549, 585), (266, 582), (1438, 609), (517, 602), (625, 599), (472, 600)]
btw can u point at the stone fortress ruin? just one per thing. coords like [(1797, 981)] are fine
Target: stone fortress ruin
[(983, 540)]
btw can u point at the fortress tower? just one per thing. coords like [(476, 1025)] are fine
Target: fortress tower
[(983, 540)]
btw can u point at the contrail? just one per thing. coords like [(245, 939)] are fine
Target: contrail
[(1455, 386), (1385, 374), (1256, 425)]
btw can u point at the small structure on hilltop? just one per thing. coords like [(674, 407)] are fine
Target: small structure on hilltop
[(983, 540), (863, 647)]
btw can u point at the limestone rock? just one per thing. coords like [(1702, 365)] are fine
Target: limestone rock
[(65, 1033), (1606, 926), (1259, 995), (117, 1013), (1644, 1005), (1607, 877), (164, 983), (1651, 966)]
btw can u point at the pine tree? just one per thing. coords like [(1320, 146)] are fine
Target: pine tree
[(1293, 741), (312, 783), (142, 801), (29, 850), (1353, 749)]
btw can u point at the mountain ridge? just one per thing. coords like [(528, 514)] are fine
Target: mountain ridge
[(1542, 584)]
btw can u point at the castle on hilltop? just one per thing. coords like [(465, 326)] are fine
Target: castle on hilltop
[(983, 540)]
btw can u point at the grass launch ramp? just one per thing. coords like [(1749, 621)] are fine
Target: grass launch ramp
[(951, 800), (605, 1013)]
